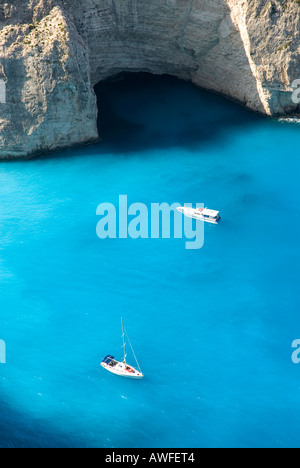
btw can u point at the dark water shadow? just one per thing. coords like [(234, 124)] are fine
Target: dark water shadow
[(138, 112), (19, 430)]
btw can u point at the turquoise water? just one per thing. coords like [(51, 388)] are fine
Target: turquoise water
[(212, 328)]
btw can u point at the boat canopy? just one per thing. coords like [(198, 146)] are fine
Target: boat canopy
[(108, 359), (210, 213)]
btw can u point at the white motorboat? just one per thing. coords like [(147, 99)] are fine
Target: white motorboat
[(121, 368), (203, 214)]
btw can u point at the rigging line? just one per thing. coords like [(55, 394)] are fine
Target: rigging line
[(133, 351), (124, 343)]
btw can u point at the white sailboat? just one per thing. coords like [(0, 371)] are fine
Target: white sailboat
[(122, 368)]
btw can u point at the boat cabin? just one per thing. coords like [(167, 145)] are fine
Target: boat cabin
[(110, 361), (210, 214)]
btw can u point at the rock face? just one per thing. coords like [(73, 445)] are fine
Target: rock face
[(53, 52)]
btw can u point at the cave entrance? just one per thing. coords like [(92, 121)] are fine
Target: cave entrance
[(140, 111)]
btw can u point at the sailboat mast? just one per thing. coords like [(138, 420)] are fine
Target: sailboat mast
[(123, 336)]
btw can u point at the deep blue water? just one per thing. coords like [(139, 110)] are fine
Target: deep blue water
[(212, 328)]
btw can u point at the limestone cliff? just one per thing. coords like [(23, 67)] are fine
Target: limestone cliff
[(53, 52)]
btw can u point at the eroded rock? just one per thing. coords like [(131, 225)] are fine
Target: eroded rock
[(53, 52)]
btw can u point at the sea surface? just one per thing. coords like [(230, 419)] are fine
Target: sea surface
[(212, 328)]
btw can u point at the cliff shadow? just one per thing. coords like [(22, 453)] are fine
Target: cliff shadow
[(138, 112)]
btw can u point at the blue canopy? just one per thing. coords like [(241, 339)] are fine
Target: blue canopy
[(108, 359)]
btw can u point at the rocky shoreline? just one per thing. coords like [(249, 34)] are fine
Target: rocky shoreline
[(53, 53)]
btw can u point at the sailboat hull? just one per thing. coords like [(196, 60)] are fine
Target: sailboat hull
[(123, 370)]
